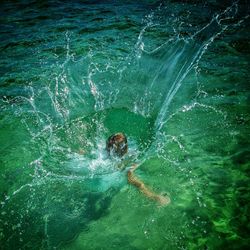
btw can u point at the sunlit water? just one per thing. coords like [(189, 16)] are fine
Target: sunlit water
[(172, 75)]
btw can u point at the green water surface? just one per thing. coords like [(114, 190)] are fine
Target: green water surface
[(172, 75)]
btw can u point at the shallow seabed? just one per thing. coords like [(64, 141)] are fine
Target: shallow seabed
[(172, 75)]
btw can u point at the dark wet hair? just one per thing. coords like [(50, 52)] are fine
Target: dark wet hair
[(117, 144)]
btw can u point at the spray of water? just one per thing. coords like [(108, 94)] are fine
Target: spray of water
[(145, 82)]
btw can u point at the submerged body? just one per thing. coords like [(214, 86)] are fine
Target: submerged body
[(117, 146)]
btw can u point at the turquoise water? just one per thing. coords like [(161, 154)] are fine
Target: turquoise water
[(172, 75)]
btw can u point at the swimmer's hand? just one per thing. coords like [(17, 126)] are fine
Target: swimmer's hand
[(163, 200)]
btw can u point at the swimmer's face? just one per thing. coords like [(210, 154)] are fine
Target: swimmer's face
[(117, 144)]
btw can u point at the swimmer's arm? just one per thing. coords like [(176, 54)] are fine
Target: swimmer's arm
[(132, 179)]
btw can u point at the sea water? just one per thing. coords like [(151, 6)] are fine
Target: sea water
[(171, 75)]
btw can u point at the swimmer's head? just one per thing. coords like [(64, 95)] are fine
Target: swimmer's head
[(117, 144)]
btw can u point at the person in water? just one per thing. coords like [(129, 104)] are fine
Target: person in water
[(117, 145)]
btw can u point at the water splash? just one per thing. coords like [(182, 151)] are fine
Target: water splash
[(143, 72)]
